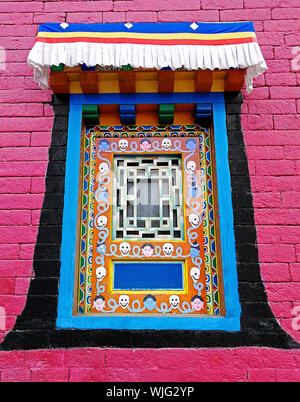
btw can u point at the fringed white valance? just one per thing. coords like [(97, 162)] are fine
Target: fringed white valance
[(177, 45)]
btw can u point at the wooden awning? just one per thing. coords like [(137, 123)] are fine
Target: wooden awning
[(160, 46)]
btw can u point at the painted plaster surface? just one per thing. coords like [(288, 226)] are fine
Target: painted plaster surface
[(271, 124)]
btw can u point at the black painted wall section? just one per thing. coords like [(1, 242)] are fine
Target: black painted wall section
[(35, 327)]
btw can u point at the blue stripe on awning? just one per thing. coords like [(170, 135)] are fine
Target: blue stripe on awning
[(166, 27)]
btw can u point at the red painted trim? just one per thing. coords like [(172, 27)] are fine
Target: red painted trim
[(150, 41)]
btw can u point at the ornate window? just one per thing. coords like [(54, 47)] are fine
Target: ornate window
[(149, 245), (149, 202)]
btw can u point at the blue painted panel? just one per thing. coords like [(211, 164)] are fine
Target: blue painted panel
[(84, 67), (149, 27), (147, 98), (127, 119), (202, 118), (204, 108), (127, 109), (148, 276)]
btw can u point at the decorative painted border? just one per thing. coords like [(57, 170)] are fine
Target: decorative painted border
[(209, 231), (65, 318), (148, 33), (188, 148), (212, 291)]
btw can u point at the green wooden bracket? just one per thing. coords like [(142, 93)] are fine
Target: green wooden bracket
[(127, 67), (90, 114), (166, 113), (58, 68)]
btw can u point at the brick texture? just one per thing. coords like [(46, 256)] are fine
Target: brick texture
[(271, 124)]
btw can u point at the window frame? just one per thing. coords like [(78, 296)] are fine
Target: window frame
[(66, 318), (147, 219)]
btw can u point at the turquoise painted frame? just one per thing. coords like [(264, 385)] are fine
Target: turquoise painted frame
[(65, 317)]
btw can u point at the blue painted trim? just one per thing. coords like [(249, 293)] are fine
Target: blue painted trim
[(65, 317), (146, 27), (67, 274), (121, 99), (127, 109), (230, 279), (204, 108), (156, 323), (127, 119)]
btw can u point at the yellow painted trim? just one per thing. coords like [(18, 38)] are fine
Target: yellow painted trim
[(146, 86), (168, 36), (75, 87), (148, 82)]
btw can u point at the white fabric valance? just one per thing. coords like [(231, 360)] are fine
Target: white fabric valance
[(177, 45)]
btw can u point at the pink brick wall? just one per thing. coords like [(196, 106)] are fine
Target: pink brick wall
[(271, 124)]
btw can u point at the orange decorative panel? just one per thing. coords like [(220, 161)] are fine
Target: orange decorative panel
[(146, 246)]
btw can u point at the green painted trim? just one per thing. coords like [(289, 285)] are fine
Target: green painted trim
[(58, 68), (166, 113), (90, 114)]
